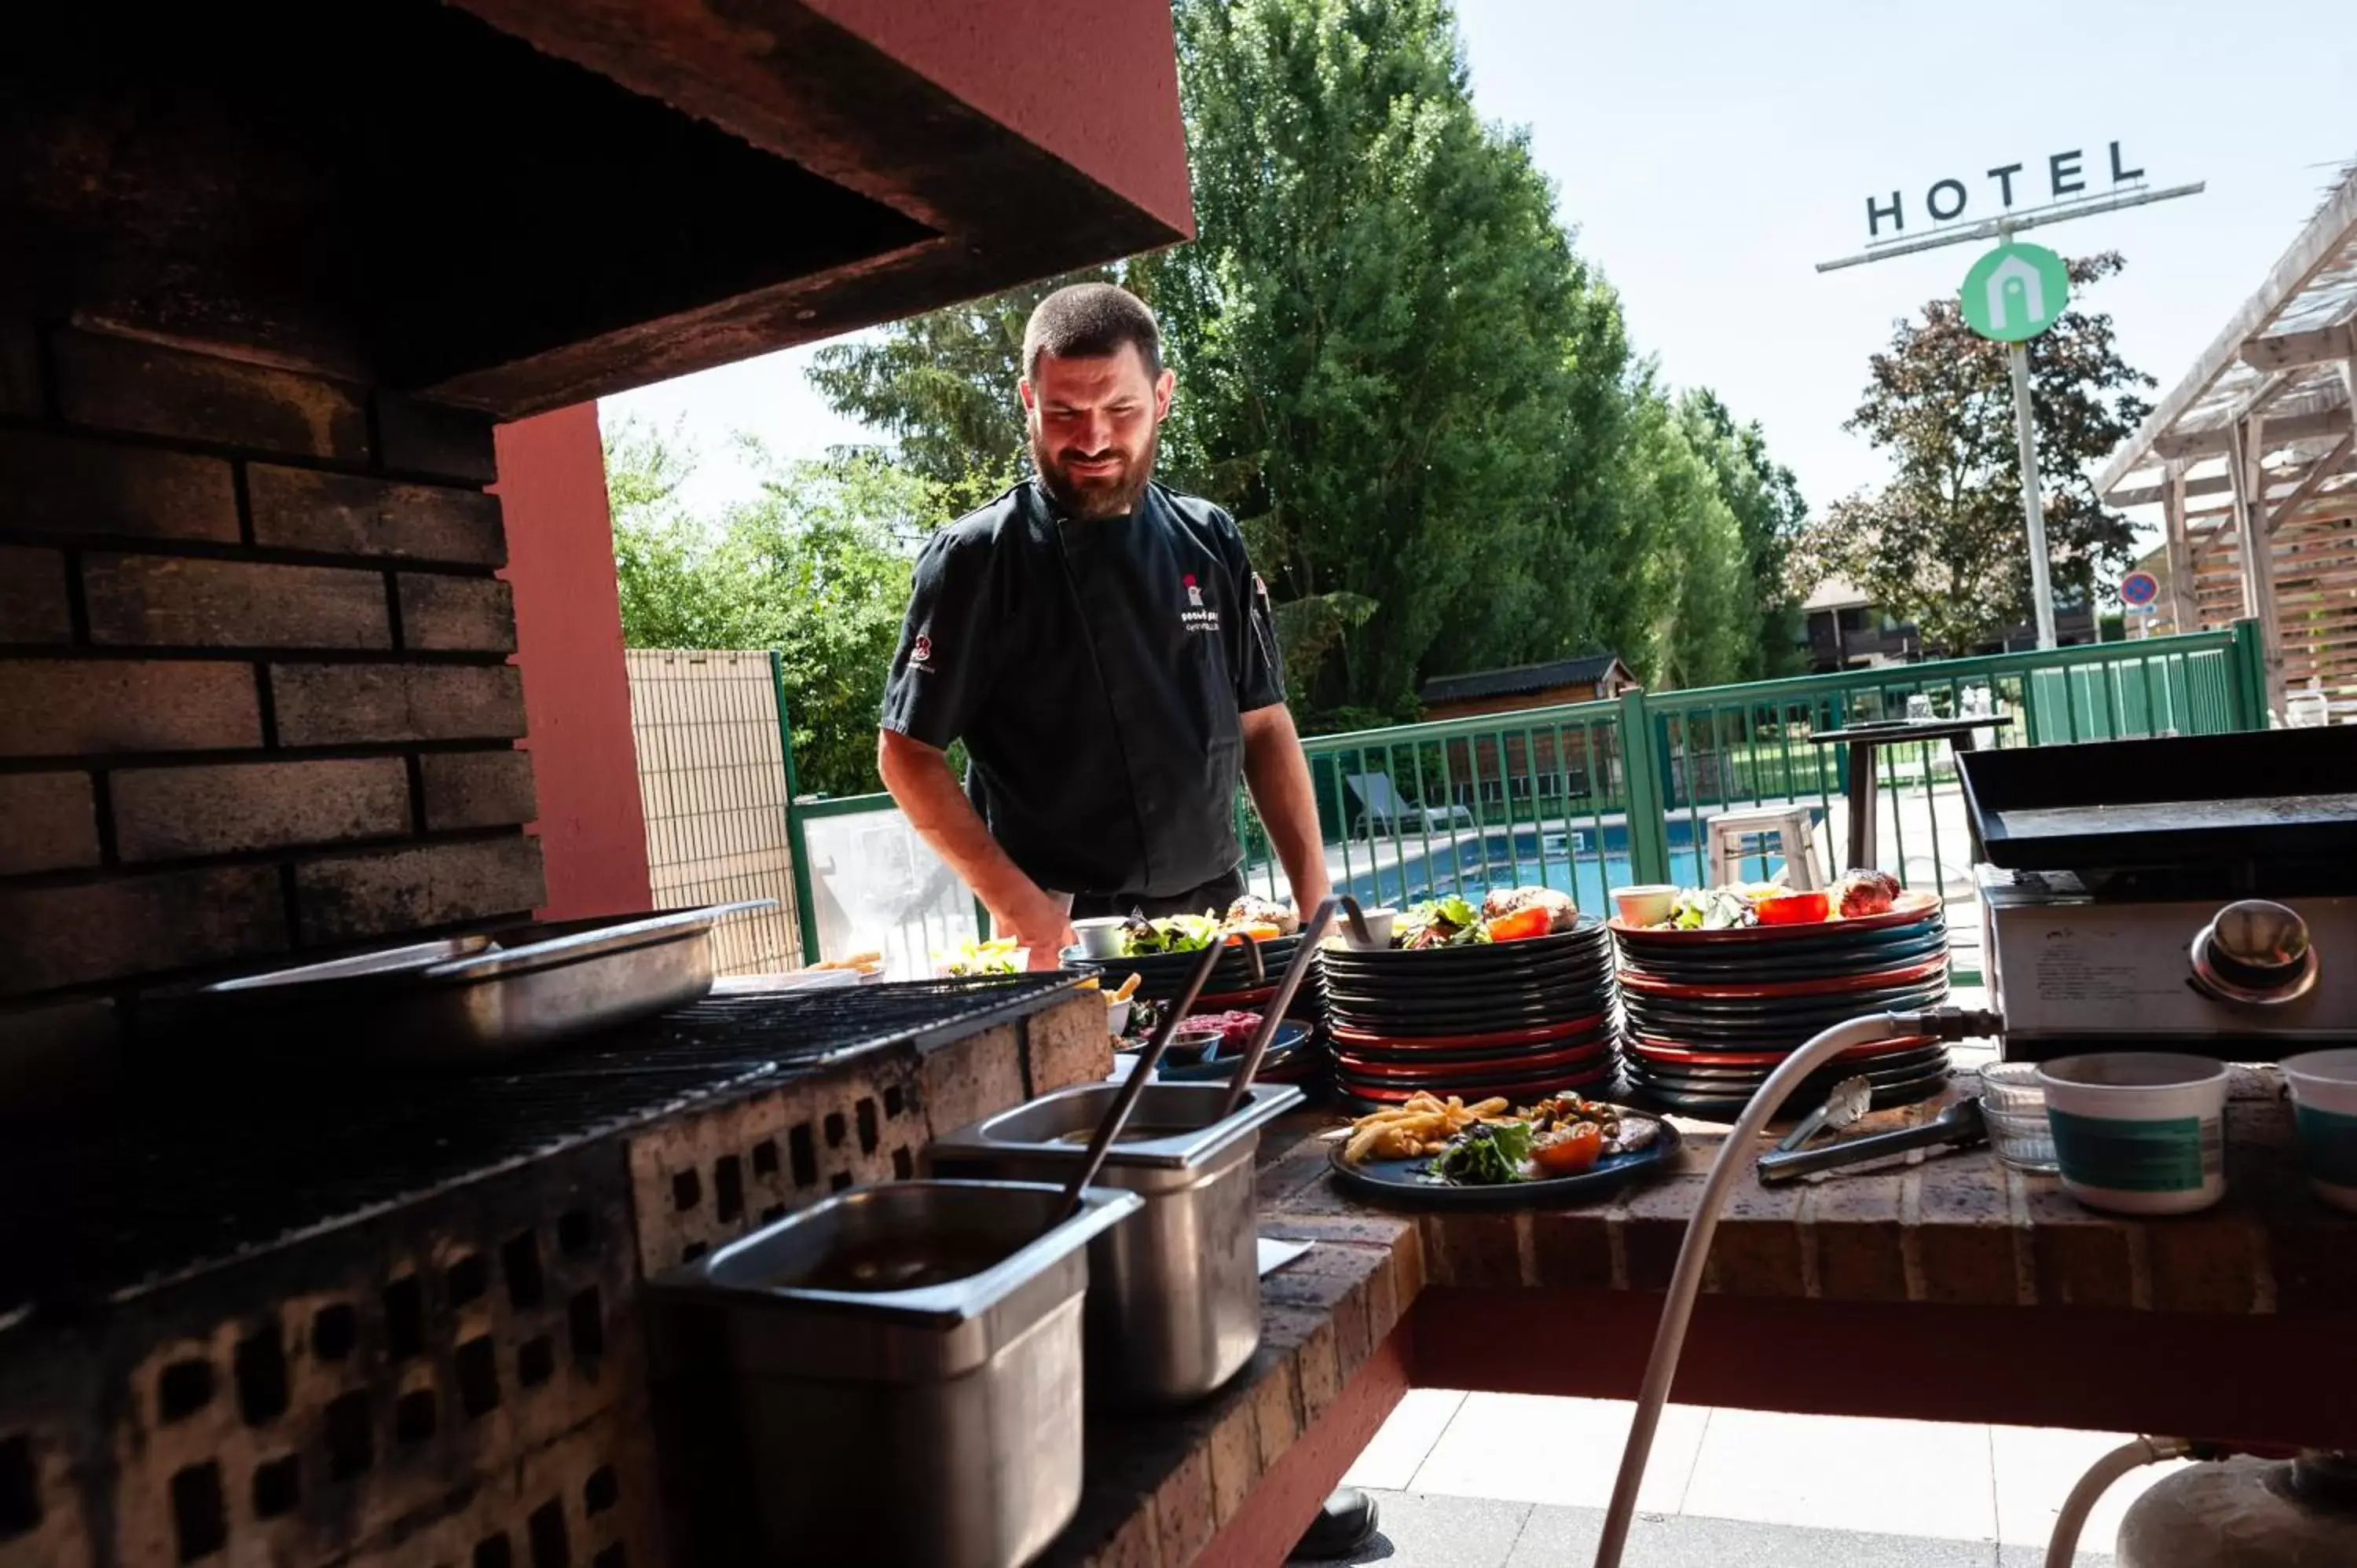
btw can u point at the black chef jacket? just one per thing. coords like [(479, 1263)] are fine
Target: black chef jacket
[(1095, 669)]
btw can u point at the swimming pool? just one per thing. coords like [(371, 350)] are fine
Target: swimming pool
[(1586, 862)]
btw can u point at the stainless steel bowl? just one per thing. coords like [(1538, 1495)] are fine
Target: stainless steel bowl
[(1174, 1292), (877, 1415)]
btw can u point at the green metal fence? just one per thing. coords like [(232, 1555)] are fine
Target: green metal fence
[(1593, 795), (1562, 796)]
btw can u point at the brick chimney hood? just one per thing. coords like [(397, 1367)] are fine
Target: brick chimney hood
[(513, 205)]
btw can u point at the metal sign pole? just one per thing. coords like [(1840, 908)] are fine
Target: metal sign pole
[(2010, 296), (2033, 509)]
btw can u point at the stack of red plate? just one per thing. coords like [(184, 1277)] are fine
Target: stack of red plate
[(1711, 1014), (1519, 1019)]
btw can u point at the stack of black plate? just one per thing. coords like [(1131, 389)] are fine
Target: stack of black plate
[(1162, 976), (1519, 1019), (1711, 1014)]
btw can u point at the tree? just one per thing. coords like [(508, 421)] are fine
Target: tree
[(1770, 515), (942, 384), (1941, 544), (1692, 587), (1416, 398), (1393, 358), (818, 568)]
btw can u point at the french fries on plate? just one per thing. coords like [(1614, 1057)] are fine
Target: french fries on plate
[(1420, 1126)]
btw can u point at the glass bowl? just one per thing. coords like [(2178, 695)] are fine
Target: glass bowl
[(2013, 1105)]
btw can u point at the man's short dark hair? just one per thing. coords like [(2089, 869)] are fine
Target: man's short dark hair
[(1090, 320)]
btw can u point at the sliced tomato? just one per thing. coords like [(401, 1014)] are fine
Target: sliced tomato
[(1575, 1149), (1793, 908), (1521, 924)]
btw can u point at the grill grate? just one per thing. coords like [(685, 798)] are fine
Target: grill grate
[(173, 1177)]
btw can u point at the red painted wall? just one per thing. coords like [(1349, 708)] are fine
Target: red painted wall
[(576, 693), (1093, 82)]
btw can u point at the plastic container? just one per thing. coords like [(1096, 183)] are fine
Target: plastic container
[(2324, 1105), (2139, 1132), (1100, 935), (2013, 1108), (1379, 927), (1647, 903)]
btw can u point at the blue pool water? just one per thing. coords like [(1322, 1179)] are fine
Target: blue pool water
[(1585, 861)]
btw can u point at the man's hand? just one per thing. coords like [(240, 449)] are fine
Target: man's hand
[(919, 777), (1039, 920)]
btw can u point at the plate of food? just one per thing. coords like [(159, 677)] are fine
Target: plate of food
[(1435, 1152), (1000, 955), (1510, 922), (1198, 1060), (1862, 900)]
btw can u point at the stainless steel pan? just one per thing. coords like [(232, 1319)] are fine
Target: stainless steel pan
[(470, 998)]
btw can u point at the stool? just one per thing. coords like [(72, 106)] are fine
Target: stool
[(1787, 825)]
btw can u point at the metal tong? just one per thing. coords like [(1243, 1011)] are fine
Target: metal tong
[(1141, 1073), (1960, 1124), (1272, 1018)]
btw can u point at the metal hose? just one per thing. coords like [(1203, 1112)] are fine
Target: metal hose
[(1685, 1280), (2062, 1546)]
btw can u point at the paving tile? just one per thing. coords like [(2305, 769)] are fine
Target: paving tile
[(1414, 1530), (1894, 1477), (1559, 1538), (2036, 1469), (1563, 1451), (1415, 1424)]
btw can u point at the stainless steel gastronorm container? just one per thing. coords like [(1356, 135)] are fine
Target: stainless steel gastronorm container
[(937, 1426), (1174, 1292), (470, 998)]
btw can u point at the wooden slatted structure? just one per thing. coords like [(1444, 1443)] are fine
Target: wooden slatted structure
[(2257, 442), (712, 779)]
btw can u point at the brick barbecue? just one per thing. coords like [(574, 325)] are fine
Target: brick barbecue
[(268, 1322), (263, 706), (274, 278)]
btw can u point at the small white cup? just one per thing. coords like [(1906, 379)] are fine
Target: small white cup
[(1378, 928), (1646, 904), (1100, 935), (2139, 1132)]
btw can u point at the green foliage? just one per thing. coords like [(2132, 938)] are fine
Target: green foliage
[(1942, 544), (1766, 500), (818, 568), (943, 385), (1388, 344), (1416, 396), (1692, 583)]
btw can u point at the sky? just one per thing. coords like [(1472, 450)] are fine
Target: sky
[(1706, 155)]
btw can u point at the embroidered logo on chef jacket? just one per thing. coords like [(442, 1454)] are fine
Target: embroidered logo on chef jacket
[(1196, 618), (921, 651)]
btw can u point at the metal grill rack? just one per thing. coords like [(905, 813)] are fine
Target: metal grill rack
[(172, 1178), (394, 1320)]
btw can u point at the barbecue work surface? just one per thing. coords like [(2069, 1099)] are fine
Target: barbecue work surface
[(2276, 796), (171, 1178)]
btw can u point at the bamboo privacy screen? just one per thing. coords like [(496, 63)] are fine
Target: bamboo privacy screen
[(712, 779)]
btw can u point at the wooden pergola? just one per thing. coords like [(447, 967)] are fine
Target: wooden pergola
[(2255, 445)]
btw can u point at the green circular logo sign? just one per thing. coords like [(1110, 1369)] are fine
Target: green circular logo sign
[(2014, 293)]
